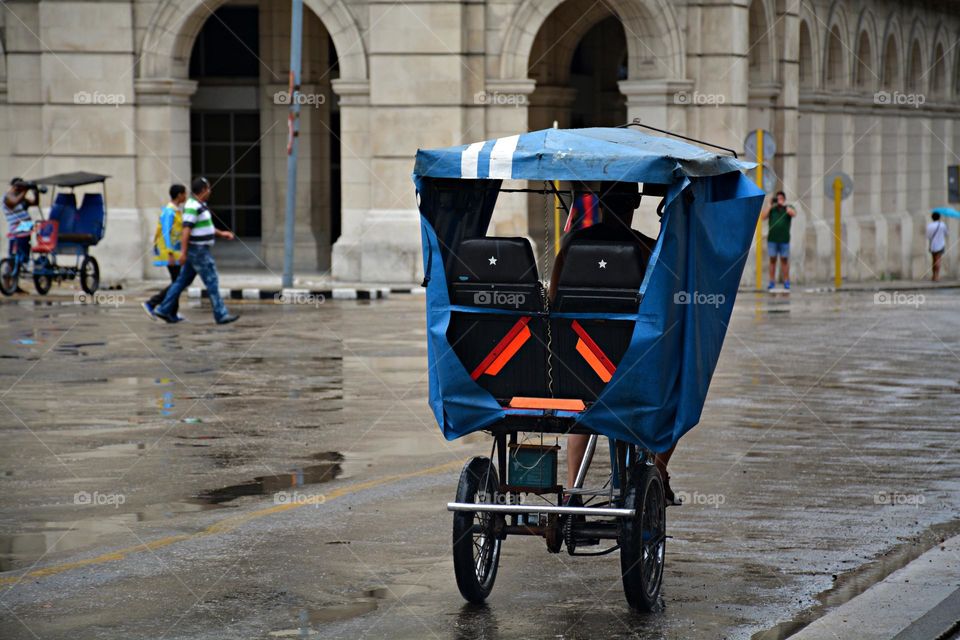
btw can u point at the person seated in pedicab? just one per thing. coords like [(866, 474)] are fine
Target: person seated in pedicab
[(617, 201)]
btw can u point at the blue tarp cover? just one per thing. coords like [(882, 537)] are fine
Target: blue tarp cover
[(658, 390)]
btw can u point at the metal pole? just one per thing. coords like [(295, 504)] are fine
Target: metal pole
[(760, 222), (556, 209), (296, 41), (837, 195)]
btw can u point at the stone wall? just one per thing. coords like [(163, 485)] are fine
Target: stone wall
[(867, 87)]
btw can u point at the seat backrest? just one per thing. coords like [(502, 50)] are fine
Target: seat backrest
[(64, 211), (597, 276), (601, 276), (90, 215), (495, 272), (504, 352)]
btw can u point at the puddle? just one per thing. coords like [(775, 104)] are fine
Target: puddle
[(311, 618), (847, 586), (329, 469), (21, 549)]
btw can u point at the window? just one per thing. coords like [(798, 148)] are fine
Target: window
[(224, 149)]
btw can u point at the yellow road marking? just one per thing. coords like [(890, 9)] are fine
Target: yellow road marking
[(227, 524)]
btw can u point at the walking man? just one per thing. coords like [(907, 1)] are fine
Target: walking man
[(780, 215), (196, 259), (166, 246), (937, 242)]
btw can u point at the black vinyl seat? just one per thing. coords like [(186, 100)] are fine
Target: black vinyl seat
[(505, 353), (597, 276)]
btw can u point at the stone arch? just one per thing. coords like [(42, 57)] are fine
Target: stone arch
[(761, 58), (916, 67), (638, 18), (890, 57), (939, 70), (835, 51), (174, 25), (867, 53), (809, 47)]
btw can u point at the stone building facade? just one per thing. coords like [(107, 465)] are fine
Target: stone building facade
[(153, 91)]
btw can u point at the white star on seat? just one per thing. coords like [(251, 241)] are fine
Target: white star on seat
[(603, 264), (493, 261)]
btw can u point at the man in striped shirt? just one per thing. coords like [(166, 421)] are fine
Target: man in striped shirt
[(196, 259), (16, 202)]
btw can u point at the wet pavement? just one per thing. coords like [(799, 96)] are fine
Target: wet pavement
[(283, 476)]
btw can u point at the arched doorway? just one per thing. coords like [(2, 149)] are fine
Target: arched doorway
[(334, 59), (238, 131)]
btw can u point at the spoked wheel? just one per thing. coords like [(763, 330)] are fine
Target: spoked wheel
[(643, 539), (41, 279), (476, 547), (89, 275), (9, 274)]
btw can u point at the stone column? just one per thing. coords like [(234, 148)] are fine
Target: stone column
[(421, 79), (162, 150), (355, 177), (506, 114)]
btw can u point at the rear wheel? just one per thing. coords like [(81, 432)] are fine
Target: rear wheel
[(476, 547), (643, 539), (89, 275), (9, 274)]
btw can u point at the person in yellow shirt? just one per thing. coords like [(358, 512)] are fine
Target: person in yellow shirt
[(166, 244)]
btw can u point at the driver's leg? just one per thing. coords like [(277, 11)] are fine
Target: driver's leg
[(576, 448)]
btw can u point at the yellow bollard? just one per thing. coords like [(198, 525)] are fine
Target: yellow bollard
[(837, 195), (760, 222)]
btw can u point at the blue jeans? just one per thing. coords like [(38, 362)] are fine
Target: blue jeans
[(199, 263), (781, 249)]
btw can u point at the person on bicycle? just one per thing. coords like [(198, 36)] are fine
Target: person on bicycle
[(16, 203), (618, 201)]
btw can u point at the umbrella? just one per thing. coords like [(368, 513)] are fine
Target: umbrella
[(948, 212)]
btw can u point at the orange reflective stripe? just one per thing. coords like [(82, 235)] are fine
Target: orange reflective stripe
[(508, 353), (501, 346), (597, 352), (561, 404), (593, 361)]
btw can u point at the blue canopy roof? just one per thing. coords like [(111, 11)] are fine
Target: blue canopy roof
[(617, 154)]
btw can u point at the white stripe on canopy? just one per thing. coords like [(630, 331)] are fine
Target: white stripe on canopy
[(501, 158), (468, 160)]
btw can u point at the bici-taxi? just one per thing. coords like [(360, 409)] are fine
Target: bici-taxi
[(67, 230), (623, 345)]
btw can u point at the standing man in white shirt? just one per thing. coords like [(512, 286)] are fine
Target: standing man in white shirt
[(936, 242)]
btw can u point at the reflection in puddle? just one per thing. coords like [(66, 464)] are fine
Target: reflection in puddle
[(328, 469), (23, 548), (311, 619)]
